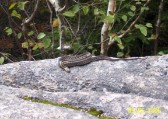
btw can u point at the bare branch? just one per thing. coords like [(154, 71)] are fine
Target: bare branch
[(158, 26), (52, 29), (24, 30), (131, 26), (79, 19), (60, 10), (34, 12), (3, 54), (134, 22)]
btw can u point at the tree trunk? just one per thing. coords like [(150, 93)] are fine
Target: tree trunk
[(104, 31), (60, 6)]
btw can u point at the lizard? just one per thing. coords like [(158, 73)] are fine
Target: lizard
[(65, 62)]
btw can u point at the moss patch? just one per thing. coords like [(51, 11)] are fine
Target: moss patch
[(92, 111), (50, 103)]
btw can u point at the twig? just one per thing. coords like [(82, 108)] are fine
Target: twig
[(79, 20), (34, 12), (70, 27), (52, 29), (134, 22), (158, 26), (6, 57), (61, 10), (24, 29)]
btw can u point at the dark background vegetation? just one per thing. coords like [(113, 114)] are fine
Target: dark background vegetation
[(87, 38)]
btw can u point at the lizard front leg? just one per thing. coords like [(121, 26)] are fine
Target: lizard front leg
[(62, 65)]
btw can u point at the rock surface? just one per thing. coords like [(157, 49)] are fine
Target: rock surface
[(13, 107), (114, 87), (120, 106)]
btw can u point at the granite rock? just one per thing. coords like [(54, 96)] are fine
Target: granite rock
[(132, 89)]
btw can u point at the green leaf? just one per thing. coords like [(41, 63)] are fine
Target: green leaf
[(75, 9), (25, 45), (21, 5), (40, 45), (41, 35), (35, 47), (69, 13), (19, 35), (137, 26), (120, 46), (12, 5), (90, 47), (30, 33), (85, 10), (109, 19), (101, 12), (120, 54), (46, 42), (143, 30), (131, 14), (96, 11), (94, 51), (144, 8), (2, 59), (28, 43), (124, 17), (133, 8), (15, 14), (8, 31), (138, 3), (117, 39), (161, 53), (153, 37), (149, 25)]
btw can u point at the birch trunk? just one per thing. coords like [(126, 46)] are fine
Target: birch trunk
[(106, 27), (57, 4)]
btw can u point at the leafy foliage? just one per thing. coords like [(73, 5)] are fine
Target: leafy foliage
[(84, 21)]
